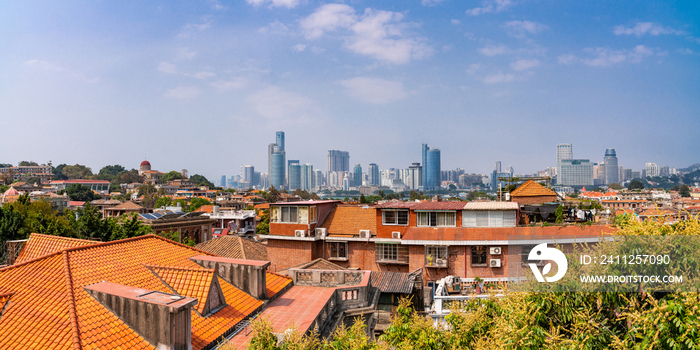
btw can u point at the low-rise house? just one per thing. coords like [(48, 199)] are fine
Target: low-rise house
[(531, 192), (191, 225), (124, 208)]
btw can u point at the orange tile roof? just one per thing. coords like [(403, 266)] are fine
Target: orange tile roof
[(50, 309), (275, 283), (206, 208), (235, 247), (190, 282), (262, 206), (39, 245), (530, 189), (350, 219)]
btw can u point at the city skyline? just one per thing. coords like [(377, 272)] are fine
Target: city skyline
[(484, 83)]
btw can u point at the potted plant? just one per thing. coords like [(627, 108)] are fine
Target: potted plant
[(479, 285), (430, 260)]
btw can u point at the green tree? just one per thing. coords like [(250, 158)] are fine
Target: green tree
[(27, 163), (615, 186), (201, 181), (263, 227), (110, 172), (196, 203), (163, 202), (33, 180), (58, 172), (684, 191), (635, 185), (272, 195), (171, 175), (149, 192), (78, 192), (77, 172)]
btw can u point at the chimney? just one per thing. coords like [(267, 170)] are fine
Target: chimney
[(163, 319), (249, 276)]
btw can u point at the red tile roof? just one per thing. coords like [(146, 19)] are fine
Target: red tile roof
[(50, 308), (39, 245), (235, 247), (190, 282), (531, 188), (447, 205)]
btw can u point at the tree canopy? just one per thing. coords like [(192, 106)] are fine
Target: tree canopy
[(684, 191), (201, 181), (28, 163), (77, 172), (110, 172), (171, 175), (635, 185), (78, 192)]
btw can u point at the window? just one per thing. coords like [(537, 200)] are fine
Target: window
[(436, 218), (338, 250), (312, 214), (395, 217), (387, 252), (284, 214), (479, 255), (436, 256), (488, 218), (524, 252)]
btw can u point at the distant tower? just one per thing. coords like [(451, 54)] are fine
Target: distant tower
[(338, 160), (498, 166), (612, 170), (276, 161), (431, 180), (424, 154), (294, 176), (357, 174), (249, 175), (564, 152), (373, 174), (145, 166)]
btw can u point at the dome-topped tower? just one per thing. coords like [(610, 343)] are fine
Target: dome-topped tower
[(145, 166)]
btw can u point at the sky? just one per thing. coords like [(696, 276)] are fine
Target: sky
[(204, 85)]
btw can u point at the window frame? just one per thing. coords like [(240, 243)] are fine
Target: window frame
[(435, 218), (437, 252), (280, 219), (338, 247), (397, 215), (478, 251)]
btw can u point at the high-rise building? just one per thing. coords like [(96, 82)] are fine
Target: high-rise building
[(612, 170), (249, 175), (652, 170), (338, 160), (498, 166), (357, 175), (318, 179), (564, 151), (415, 176), (294, 176), (373, 174), (431, 169), (664, 171), (424, 164), (307, 177), (575, 172), (635, 174), (289, 164), (276, 161), (223, 181)]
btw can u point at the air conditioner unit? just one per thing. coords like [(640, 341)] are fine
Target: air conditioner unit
[(495, 263), (365, 234), (495, 250), (299, 233), (441, 262), (396, 235), (321, 232)]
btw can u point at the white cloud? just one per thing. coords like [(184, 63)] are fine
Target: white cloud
[(183, 93), (645, 28), (566, 59), (276, 104), (373, 90), (299, 47), (498, 78), (275, 3), (521, 28), (217, 5), (317, 50), (685, 51), (493, 50), (224, 85), (185, 53), (521, 65), (377, 34), (167, 68), (190, 29), (604, 57), (455, 21), (473, 68), (431, 2), (276, 28), (490, 6), (328, 18)]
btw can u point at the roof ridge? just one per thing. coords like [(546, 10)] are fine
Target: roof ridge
[(61, 237), (240, 242), (197, 269), (71, 304), (9, 267)]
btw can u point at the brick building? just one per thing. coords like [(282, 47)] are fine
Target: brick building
[(532, 193), (443, 238)]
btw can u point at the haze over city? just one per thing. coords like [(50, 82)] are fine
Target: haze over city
[(204, 85)]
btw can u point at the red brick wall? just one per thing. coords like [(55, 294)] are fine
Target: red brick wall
[(384, 231), (288, 229), (284, 254)]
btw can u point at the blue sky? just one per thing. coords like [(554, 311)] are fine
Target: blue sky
[(204, 85)]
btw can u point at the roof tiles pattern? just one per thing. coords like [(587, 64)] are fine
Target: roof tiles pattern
[(50, 309), (194, 283), (350, 219), (532, 189), (235, 247), (39, 245), (275, 283)]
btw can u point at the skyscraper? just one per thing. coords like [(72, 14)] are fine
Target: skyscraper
[(318, 179), (223, 181), (373, 174), (338, 160), (249, 175), (498, 166), (294, 176), (564, 151), (652, 170), (424, 163), (289, 165), (612, 170), (276, 161), (575, 172), (431, 169), (415, 175), (357, 175), (307, 177)]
